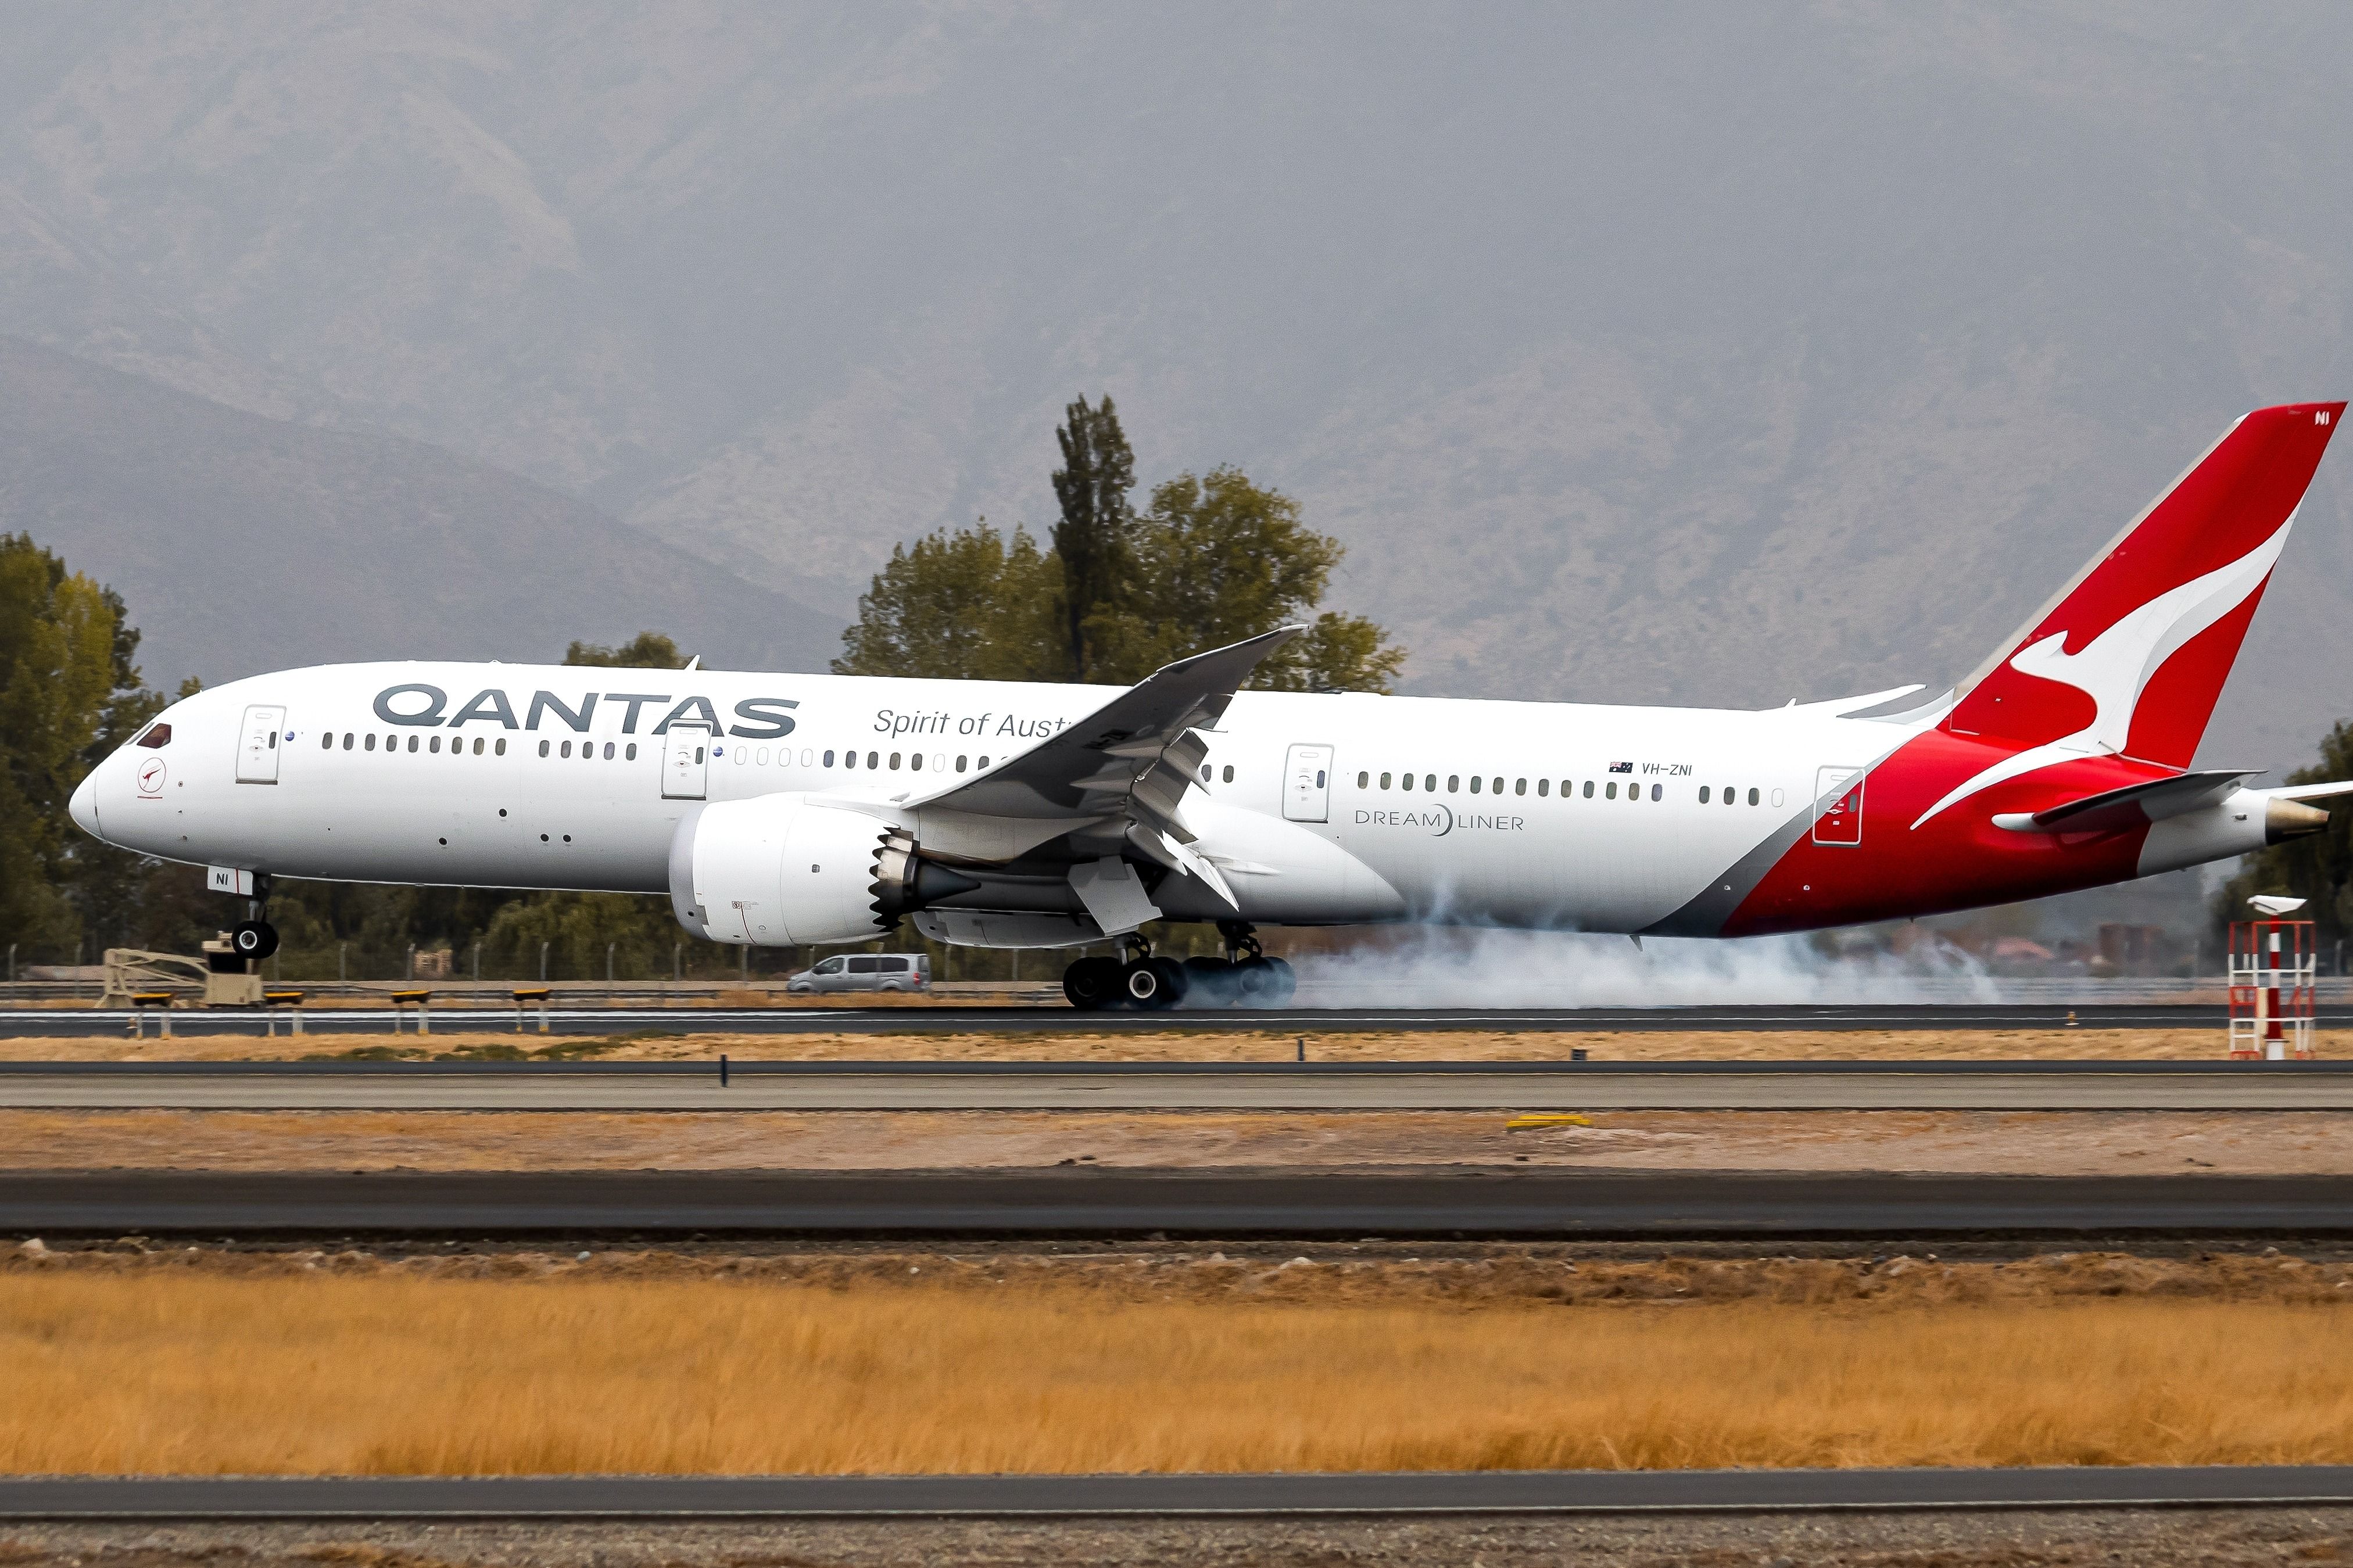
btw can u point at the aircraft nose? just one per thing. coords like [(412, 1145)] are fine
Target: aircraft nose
[(84, 806)]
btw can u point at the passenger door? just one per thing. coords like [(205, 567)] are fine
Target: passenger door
[(686, 762), (256, 747), (1307, 783)]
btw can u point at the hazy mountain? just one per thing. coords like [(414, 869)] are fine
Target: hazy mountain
[(242, 544), (1728, 353)]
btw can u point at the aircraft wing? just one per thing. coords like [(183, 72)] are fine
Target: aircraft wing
[(1133, 758)]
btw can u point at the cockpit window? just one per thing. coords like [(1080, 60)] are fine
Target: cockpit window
[(157, 735)]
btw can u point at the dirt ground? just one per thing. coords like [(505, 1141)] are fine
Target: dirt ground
[(2013, 1143), (2155, 1538), (1175, 1044)]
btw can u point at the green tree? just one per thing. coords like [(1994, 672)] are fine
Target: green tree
[(1090, 540), (69, 692), (969, 601), (2317, 868), (646, 650), (1216, 559)]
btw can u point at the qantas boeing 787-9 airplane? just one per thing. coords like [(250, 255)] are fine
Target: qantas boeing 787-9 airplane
[(799, 809)]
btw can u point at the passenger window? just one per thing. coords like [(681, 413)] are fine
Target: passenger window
[(1384, 781), (1406, 783), (1658, 792), (1229, 773), (850, 759), (1453, 782), (412, 742), (608, 750), (1702, 794), (1319, 778), (502, 746), (1363, 780), (1519, 786), (982, 765), (916, 762), (1588, 789), (478, 746), (1430, 781), (1475, 782), (962, 759), (327, 742), (743, 754), (273, 740), (433, 746), (348, 738), (543, 748), (865, 965), (828, 759), (830, 966), (874, 759), (1544, 786), (895, 761), (698, 753), (1752, 797), (370, 742), (564, 750), (1611, 792), (630, 754)]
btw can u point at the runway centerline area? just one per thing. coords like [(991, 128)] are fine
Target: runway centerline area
[(63, 1022), (1155, 1086)]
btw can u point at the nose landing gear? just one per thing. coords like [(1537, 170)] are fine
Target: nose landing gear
[(254, 939)]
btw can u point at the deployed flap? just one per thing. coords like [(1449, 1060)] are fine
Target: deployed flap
[(1109, 764), (2130, 806), (1112, 894)]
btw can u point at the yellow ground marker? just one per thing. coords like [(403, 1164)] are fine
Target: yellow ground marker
[(1543, 1120)]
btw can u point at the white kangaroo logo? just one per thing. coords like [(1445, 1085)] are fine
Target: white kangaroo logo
[(2114, 668)]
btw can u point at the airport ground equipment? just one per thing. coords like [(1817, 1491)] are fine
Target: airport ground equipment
[(413, 1004), (157, 1002), (2273, 969), (273, 1003), (228, 980), (524, 996)]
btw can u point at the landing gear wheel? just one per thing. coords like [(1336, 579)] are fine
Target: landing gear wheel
[(254, 939), (1155, 984), (1214, 982), (1092, 984), (1266, 982)]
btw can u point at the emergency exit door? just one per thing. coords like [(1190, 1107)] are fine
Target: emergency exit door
[(1307, 783), (686, 762), (257, 746)]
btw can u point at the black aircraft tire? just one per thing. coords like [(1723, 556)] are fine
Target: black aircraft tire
[(254, 939), (1214, 983), (1092, 984), (1155, 984), (1286, 983)]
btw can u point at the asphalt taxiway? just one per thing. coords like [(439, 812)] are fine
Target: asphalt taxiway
[(1532, 1203)]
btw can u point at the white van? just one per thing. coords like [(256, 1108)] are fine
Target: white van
[(866, 972)]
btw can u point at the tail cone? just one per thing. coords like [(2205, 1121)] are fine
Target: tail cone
[(2286, 819)]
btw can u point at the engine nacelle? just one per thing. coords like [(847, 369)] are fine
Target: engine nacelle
[(785, 871), (776, 872)]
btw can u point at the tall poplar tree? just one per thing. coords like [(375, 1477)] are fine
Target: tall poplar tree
[(1097, 472)]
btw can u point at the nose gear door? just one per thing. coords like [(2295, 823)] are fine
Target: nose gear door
[(686, 760), (256, 747), (1307, 783)]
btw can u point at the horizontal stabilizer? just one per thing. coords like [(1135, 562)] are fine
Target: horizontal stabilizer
[(2131, 806)]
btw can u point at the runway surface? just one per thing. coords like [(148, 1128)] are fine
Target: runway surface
[(942, 1020), (1159, 1087), (1565, 1204), (1423, 1493)]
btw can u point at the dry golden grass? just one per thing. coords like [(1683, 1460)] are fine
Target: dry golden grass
[(199, 1375)]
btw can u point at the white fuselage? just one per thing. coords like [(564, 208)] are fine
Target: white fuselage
[(1585, 817)]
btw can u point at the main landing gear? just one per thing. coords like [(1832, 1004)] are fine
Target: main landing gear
[(1244, 977)]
